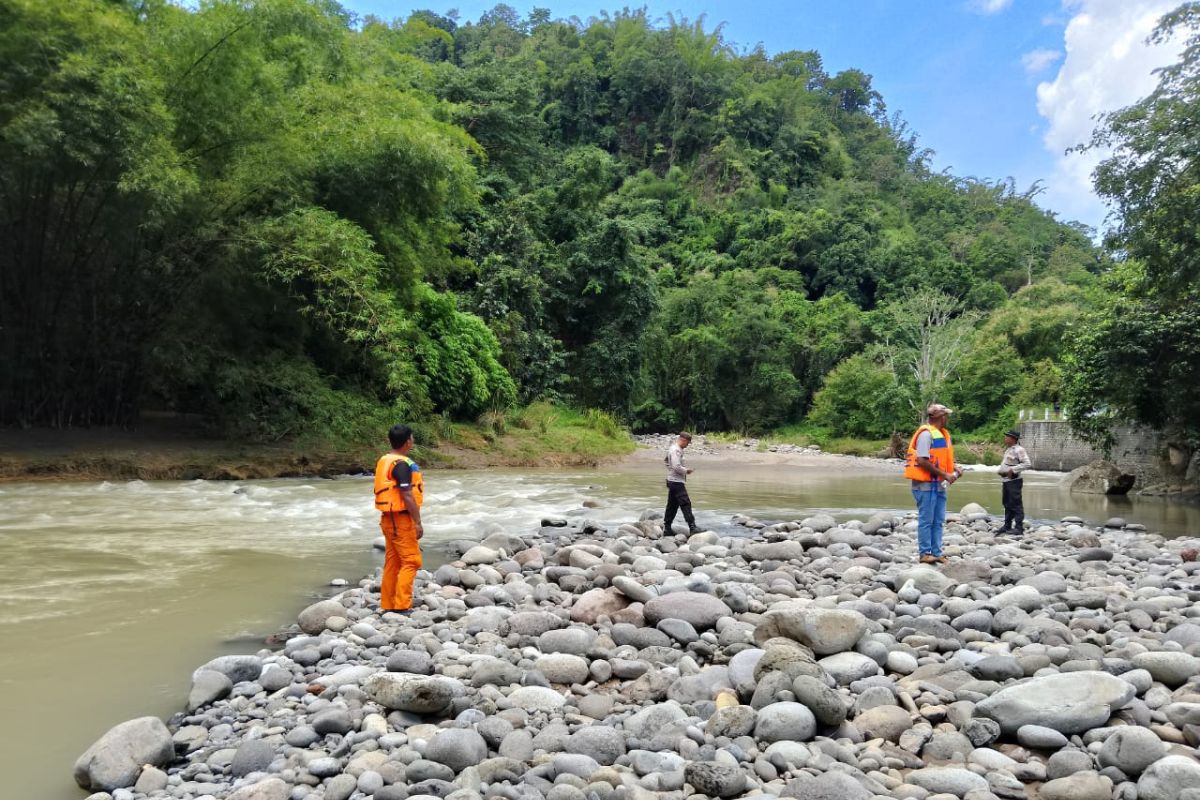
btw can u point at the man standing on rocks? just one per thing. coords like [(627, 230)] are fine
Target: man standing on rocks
[(399, 493), (677, 495), (931, 468), (1016, 461)]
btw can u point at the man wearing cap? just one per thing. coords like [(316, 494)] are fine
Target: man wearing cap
[(1015, 461), (677, 494), (931, 468)]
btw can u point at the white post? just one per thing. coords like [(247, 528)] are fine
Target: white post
[(1046, 413), (1021, 416)]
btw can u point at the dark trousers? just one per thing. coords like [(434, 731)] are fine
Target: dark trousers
[(678, 500), (1014, 509)]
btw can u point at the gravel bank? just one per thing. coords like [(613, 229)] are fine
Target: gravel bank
[(798, 660)]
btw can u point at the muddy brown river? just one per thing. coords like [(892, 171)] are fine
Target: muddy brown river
[(111, 593)]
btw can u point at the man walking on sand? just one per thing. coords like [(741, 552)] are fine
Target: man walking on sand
[(1015, 461), (399, 493), (931, 468), (677, 495)]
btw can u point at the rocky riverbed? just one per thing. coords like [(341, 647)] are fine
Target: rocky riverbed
[(799, 660)]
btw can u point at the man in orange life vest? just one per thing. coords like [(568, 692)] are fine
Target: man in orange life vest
[(399, 492), (931, 468)]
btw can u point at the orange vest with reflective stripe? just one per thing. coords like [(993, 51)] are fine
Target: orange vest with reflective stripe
[(941, 453), (387, 493)]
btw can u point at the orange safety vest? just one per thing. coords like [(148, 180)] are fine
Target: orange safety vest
[(387, 493), (941, 453)]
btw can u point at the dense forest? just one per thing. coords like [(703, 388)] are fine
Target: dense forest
[(293, 221)]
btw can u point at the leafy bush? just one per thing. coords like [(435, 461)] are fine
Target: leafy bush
[(861, 398)]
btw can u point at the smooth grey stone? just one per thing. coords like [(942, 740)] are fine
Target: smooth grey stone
[(785, 722), (1131, 750), (411, 661), (333, 720), (457, 748), (1069, 702), (115, 760)]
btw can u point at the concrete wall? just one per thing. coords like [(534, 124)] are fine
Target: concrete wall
[(1052, 446)]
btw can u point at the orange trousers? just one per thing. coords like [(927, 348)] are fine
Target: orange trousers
[(401, 560)]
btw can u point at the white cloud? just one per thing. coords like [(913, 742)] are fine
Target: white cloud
[(1036, 61), (1108, 66), (990, 6)]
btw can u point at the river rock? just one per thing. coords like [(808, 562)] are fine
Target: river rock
[(562, 668), (700, 610), (883, 722), (116, 759), (947, 780), (572, 641), (1099, 477), (826, 786), (1171, 668), (411, 661), (1131, 750), (534, 623), (786, 721), (595, 603), (237, 668), (208, 686), (536, 698), (419, 694), (457, 748), (824, 630), (254, 755), (846, 668), (1080, 786), (715, 780), (825, 703), (599, 742), (312, 619), (1167, 778), (1068, 703), (732, 721), (270, 789)]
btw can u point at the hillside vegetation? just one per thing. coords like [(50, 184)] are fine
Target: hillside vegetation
[(296, 223)]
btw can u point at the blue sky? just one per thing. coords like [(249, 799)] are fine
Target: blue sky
[(965, 74)]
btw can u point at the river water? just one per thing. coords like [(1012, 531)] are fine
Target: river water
[(111, 593)]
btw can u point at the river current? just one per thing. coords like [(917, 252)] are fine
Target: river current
[(111, 593)]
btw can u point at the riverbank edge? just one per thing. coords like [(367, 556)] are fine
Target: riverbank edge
[(194, 459)]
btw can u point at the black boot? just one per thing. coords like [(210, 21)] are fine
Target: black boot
[(692, 529)]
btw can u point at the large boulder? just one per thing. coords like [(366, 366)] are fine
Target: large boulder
[(420, 694), (1070, 702), (701, 610), (824, 630), (117, 757), (1099, 477)]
